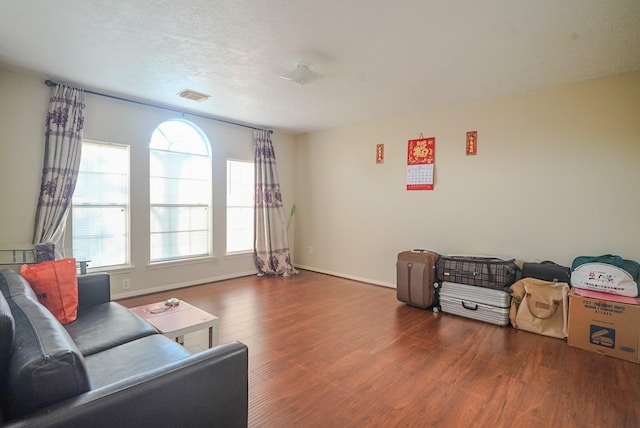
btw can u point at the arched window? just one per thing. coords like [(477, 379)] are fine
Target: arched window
[(180, 192)]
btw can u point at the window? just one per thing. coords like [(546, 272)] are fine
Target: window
[(180, 192), (100, 206), (240, 196)]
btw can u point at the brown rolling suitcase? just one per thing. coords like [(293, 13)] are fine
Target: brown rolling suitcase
[(416, 273)]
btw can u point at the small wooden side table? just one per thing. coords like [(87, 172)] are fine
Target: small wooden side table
[(176, 321)]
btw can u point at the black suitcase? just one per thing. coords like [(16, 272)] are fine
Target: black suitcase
[(489, 272), (415, 278), (547, 270)]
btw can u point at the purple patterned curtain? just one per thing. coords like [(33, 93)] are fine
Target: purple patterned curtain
[(63, 145), (271, 248)]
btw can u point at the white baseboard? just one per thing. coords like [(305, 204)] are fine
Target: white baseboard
[(347, 276), (170, 287)]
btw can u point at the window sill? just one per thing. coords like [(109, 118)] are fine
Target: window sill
[(181, 262), (239, 254), (115, 270)]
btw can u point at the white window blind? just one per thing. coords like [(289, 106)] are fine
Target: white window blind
[(240, 206), (100, 206)]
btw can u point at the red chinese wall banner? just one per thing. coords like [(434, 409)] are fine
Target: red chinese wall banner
[(421, 156), (380, 153), (472, 143)]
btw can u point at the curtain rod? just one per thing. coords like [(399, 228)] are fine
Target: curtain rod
[(51, 83)]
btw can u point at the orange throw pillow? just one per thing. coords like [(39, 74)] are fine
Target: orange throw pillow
[(56, 285)]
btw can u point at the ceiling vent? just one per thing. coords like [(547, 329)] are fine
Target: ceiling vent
[(302, 74), (193, 95)]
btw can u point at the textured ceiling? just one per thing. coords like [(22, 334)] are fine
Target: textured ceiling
[(379, 58)]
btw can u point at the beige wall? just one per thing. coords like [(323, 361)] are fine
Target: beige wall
[(556, 176), (23, 106)]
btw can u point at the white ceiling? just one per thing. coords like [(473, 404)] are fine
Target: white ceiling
[(379, 58)]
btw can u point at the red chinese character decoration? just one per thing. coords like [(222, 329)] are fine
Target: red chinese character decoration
[(422, 151), (472, 143), (380, 153)]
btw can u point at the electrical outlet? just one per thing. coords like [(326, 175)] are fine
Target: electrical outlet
[(125, 284), (310, 250)]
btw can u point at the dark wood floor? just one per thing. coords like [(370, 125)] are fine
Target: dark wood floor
[(331, 352)]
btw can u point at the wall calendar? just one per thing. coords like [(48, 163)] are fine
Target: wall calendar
[(421, 156)]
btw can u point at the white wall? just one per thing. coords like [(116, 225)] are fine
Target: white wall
[(556, 176), (23, 105)]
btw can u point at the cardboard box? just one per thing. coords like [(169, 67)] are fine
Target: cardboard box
[(605, 327)]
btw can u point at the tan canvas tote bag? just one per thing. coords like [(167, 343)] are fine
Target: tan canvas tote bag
[(540, 307)]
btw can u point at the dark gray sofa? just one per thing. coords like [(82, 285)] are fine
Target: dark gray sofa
[(109, 368)]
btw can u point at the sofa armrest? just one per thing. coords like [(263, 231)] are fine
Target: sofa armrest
[(206, 389), (94, 288)]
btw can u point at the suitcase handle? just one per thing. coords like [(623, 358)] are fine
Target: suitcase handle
[(409, 266), (471, 308)]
